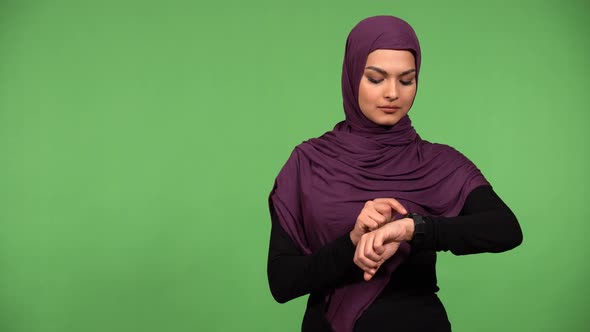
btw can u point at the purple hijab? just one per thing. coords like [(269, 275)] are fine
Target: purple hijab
[(324, 184)]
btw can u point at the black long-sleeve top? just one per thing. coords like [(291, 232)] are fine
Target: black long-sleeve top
[(485, 224)]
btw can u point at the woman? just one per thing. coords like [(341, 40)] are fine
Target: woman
[(359, 213)]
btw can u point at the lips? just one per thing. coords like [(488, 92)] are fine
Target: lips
[(389, 109)]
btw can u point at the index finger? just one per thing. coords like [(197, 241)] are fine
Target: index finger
[(397, 206)]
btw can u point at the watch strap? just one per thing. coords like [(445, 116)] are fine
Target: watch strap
[(419, 229)]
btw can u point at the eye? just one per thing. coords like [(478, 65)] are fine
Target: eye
[(374, 81), (410, 82)]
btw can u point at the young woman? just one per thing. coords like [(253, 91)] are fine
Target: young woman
[(359, 213)]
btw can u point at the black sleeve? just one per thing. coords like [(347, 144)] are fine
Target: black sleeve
[(485, 224), (292, 274)]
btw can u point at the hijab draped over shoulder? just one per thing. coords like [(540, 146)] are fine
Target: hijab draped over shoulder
[(326, 181)]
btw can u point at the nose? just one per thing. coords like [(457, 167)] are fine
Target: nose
[(391, 92)]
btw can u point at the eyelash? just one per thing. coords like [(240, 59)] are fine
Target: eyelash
[(374, 81)]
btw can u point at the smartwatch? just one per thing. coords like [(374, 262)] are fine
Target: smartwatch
[(419, 228)]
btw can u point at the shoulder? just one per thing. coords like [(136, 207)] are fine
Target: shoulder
[(457, 161), (295, 159), (442, 149), (312, 147), (302, 151)]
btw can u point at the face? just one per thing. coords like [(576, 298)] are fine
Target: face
[(388, 86)]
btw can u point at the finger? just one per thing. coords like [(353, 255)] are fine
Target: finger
[(368, 275), (378, 243), (367, 223), (358, 259), (384, 209), (366, 264), (369, 250), (377, 218), (397, 206), (361, 260)]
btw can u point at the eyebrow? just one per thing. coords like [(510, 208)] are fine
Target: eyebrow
[(381, 71)]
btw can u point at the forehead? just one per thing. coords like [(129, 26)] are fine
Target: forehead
[(391, 60)]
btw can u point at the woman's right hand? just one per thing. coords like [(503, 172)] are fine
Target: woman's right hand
[(375, 214)]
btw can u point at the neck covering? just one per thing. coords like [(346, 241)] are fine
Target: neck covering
[(326, 181)]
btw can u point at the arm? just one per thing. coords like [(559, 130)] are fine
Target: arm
[(485, 224), (292, 274)]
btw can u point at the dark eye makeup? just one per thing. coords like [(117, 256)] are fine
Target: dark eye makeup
[(372, 80), (377, 81)]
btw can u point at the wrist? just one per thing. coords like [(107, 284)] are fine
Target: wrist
[(408, 225)]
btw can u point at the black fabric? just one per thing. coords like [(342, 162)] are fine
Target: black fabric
[(409, 302), (410, 311)]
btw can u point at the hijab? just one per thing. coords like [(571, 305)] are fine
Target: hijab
[(326, 181)]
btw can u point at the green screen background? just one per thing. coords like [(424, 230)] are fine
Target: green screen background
[(139, 141)]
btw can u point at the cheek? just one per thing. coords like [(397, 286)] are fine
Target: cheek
[(409, 94), (363, 94), (367, 94)]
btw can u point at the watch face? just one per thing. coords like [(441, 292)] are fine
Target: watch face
[(417, 218), (419, 225)]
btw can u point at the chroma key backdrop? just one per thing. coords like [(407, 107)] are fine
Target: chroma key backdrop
[(139, 141)]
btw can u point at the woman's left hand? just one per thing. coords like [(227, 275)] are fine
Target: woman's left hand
[(375, 247)]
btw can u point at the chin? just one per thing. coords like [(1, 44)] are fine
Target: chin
[(389, 121)]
